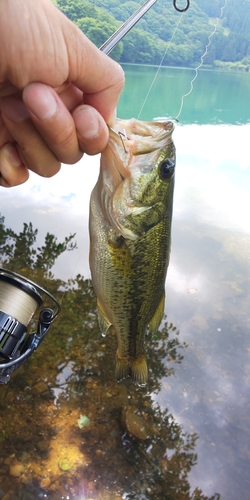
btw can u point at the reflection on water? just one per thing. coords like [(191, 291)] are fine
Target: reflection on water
[(186, 436), (44, 451)]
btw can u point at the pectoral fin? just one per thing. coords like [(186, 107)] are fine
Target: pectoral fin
[(157, 317), (104, 323)]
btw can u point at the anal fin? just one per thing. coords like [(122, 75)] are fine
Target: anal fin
[(157, 316)]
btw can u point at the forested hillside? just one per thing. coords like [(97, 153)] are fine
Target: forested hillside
[(148, 40)]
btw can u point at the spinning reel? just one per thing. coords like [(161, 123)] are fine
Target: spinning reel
[(19, 299)]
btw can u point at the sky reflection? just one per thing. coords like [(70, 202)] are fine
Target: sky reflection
[(59, 205), (207, 286), (208, 299), (213, 175)]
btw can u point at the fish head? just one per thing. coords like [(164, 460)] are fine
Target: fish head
[(137, 176)]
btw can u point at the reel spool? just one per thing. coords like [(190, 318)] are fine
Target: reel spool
[(19, 299)]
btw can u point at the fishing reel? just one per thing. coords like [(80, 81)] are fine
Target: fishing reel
[(19, 299)]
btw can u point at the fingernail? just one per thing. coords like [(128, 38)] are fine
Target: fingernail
[(87, 122), (40, 100), (14, 109), (11, 155)]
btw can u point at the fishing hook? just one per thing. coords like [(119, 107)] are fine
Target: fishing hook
[(181, 10), (122, 137)]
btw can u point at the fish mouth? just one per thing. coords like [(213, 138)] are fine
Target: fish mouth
[(132, 138), (139, 137)]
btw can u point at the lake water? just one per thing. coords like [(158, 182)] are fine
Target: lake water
[(198, 400)]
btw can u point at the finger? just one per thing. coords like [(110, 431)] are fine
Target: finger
[(106, 99), (97, 75), (5, 135), (67, 135), (32, 149), (12, 171), (53, 120), (92, 131), (91, 128), (70, 95)]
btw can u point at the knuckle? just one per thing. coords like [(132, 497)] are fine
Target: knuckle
[(66, 145), (65, 137)]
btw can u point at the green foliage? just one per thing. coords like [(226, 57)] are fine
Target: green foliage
[(149, 40), (146, 49), (76, 9), (212, 9), (100, 30), (50, 251)]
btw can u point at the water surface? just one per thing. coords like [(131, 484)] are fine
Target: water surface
[(196, 407), (218, 97)]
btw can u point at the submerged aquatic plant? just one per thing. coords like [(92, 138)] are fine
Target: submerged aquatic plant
[(83, 421)]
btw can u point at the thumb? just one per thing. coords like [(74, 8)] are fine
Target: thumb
[(99, 77)]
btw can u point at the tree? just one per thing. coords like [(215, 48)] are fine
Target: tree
[(98, 31), (19, 251), (77, 9), (143, 45)]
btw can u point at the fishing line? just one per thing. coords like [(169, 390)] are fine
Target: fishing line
[(201, 59), (159, 67)]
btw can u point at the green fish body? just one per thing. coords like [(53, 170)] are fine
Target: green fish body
[(130, 228)]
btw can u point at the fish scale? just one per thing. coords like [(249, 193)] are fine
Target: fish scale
[(130, 234)]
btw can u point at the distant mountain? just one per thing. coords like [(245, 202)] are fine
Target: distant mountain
[(150, 38)]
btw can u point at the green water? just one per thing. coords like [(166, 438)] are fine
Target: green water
[(217, 97), (194, 415)]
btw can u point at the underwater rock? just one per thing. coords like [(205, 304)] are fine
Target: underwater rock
[(134, 424), (16, 469), (43, 446), (45, 483), (39, 388)]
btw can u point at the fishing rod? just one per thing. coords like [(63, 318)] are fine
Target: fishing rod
[(126, 27)]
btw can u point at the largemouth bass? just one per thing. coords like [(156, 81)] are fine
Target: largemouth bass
[(130, 225)]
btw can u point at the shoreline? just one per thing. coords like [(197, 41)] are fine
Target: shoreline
[(203, 68)]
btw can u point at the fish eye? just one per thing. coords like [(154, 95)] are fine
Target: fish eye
[(166, 169)]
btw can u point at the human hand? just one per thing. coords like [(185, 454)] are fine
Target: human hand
[(57, 91)]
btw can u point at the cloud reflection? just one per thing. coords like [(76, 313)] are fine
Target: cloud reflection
[(58, 204), (210, 254), (209, 393), (213, 175)]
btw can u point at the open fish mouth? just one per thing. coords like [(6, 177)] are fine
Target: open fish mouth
[(132, 138), (141, 137)]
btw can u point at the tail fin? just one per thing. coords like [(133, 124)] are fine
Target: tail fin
[(136, 369)]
